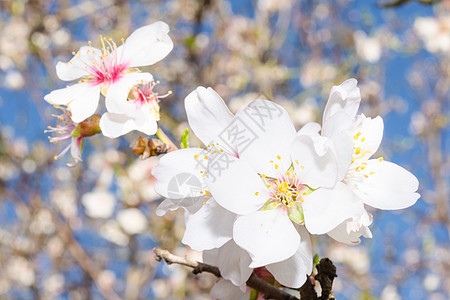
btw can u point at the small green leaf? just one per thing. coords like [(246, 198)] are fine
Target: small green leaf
[(253, 295), (316, 260), (184, 139)]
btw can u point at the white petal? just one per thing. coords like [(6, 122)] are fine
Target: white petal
[(208, 116), (78, 66), (117, 93), (81, 98), (114, 125), (337, 123), (368, 134), (234, 184), (390, 187), (190, 204), (350, 231), (263, 132), (324, 209), (178, 174), (233, 263), (225, 290), (268, 236), (210, 227), (75, 148), (293, 271), (146, 46), (345, 97), (314, 169), (343, 149), (310, 128)]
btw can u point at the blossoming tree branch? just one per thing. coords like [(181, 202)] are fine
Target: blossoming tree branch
[(259, 188)]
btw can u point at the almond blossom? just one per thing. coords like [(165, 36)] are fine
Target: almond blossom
[(140, 112), (67, 129), (375, 182), (254, 184), (110, 71)]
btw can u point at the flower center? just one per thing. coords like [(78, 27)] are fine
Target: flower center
[(104, 66), (144, 96)]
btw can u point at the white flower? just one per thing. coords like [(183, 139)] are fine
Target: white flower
[(354, 139), (367, 48), (180, 175), (254, 171), (141, 112), (132, 220), (435, 32), (65, 132), (110, 70), (99, 204)]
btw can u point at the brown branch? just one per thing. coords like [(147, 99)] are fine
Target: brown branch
[(269, 291)]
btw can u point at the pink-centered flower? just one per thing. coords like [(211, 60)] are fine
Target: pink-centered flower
[(140, 112), (67, 129), (254, 170), (110, 71)]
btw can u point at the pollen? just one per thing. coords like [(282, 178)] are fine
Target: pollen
[(296, 161), (196, 155), (380, 159), (278, 157), (357, 135), (302, 167), (363, 139), (206, 157), (276, 166), (257, 193), (358, 150)]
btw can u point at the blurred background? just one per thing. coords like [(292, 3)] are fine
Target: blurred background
[(87, 232)]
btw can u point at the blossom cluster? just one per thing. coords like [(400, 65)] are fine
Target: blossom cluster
[(112, 71), (259, 189)]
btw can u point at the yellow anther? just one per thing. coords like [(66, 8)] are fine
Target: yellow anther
[(363, 139), (257, 193), (196, 155), (206, 157), (365, 175), (302, 167), (357, 135), (204, 203), (290, 204), (274, 205), (296, 161), (380, 159), (276, 166), (288, 173), (73, 53), (207, 192), (221, 150), (271, 161), (206, 197), (278, 157), (371, 173), (169, 92), (213, 144), (201, 171), (305, 193), (263, 176), (358, 150), (201, 192), (268, 185)]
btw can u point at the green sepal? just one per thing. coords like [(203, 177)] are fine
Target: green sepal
[(184, 139), (295, 213)]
